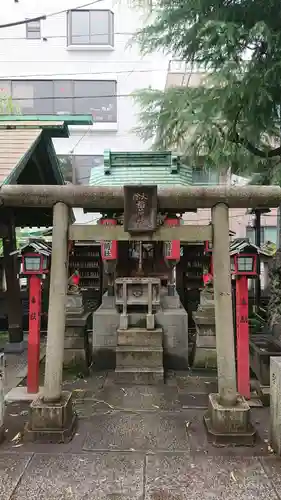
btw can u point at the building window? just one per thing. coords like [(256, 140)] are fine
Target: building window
[(90, 27), (268, 233), (204, 176), (77, 168), (33, 30), (61, 97)]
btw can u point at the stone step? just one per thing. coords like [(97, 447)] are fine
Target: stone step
[(139, 376), (140, 337), (137, 357)]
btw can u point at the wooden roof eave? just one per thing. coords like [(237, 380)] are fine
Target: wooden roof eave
[(17, 170)]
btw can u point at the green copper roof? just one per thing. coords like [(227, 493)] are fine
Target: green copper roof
[(160, 168), (68, 119)]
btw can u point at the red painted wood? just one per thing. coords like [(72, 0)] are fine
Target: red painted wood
[(33, 353), (242, 331), (172, 248), (109, 248)]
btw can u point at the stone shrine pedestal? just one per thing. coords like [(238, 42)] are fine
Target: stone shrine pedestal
[(76, 349), (204, 319)]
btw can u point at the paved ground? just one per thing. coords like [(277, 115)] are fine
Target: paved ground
[(16, 364), (137, 443)]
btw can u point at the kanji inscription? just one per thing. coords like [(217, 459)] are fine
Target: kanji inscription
[(140, 208)]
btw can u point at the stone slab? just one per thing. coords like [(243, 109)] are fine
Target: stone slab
[(149, 398), (180, 477), (12, 466), (82, 477), (275, 404), (139, 376), (76, 359), (138, 432), (21, 394), (205, 358), (138, 357), (272, 467), (192, 383), (15, 347), (140, 337), (80, 387), (195, 400)]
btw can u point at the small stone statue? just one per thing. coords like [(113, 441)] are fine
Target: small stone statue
[(73, 283)]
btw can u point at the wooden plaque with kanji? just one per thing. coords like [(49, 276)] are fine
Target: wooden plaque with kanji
[(140, 209)]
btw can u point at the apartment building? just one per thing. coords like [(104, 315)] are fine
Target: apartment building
[(78, 61), (241, 222)]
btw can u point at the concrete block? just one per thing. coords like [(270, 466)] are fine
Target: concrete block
[(108, 302), (51, 422), (205, 357), (150, 321), (15, 347), (74, 331), (275, 404), (229, 424), (105, 323), (176, 359), (138, 357), (20, 394), (103, 358), (106, 340), (124, 321), (75, 358), (74, 342), (175, 337), (171, 302), (140, 337)]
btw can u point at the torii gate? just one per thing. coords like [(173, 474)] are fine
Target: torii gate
[(228, 413)]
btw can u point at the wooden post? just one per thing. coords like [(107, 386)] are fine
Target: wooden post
[(57, 303), (257, 286), (223, 306), (14, 305), (242, 331), (33, 352)]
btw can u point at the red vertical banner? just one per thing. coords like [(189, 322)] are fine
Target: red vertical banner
[(242, 332), (172, 248), (109, 247), (33, 353)]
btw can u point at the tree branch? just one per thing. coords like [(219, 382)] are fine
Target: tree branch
[(254, 150), (237, 139)]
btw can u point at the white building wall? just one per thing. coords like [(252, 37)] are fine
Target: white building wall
[(50, 57)]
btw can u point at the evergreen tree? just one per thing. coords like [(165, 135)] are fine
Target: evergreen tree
[(233, 117)]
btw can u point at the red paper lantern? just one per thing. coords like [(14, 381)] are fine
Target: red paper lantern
[(172, 248), (109, 247)]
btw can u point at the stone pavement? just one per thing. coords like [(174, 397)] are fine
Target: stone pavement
[(16, 363), (137, 443)]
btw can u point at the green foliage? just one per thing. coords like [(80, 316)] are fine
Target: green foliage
[(233, 117), (274, 305), (8, 107)]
